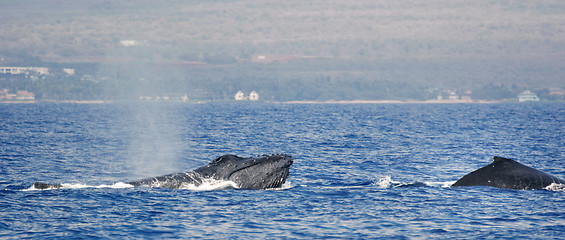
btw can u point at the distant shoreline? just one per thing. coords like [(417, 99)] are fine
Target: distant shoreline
[(392, 102), (280, 102), (66, 101)]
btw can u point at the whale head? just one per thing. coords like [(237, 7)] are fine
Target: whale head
[(268, 171)]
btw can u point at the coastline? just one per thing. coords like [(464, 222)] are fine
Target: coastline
[(286, 102), (394, 102), (65, 101)]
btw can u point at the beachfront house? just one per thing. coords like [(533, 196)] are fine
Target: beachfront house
[(253, 96)]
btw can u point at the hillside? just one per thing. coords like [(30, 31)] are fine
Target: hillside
[(436, 44)]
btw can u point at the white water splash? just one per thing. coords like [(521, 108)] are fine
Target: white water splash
[(206, 185), (284, 186), (384, 182), (556, 187), (387, 182), (80, 186), (210, 185), (116, 185), (440, 184)]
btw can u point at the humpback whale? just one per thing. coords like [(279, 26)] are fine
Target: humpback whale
[(268, 171), (507, 173)]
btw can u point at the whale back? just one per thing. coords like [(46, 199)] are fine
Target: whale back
[(507, 173)]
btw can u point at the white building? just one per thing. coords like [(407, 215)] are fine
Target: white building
[(239, 96), (69, 71), (527, 96), (23, 70), (253, 96)]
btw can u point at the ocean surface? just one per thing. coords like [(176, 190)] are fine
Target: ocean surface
[(349, 161)]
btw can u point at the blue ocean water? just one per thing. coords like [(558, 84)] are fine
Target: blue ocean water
[(348, 160)]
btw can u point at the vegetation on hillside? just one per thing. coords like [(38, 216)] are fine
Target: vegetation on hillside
[(220, 82), (286, 50)]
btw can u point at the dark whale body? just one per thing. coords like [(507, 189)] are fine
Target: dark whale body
[(507, 173), (268, 171)]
